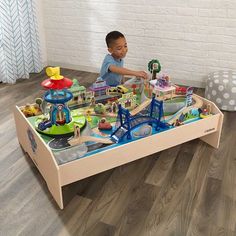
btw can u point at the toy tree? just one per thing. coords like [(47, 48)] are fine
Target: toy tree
[(134, 86), (154, 67)]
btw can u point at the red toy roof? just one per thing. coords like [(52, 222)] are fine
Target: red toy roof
[(57, 84)]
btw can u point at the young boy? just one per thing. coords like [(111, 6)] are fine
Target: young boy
[(112, 69)]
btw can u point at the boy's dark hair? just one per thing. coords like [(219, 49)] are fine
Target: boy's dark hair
[(112, 36)]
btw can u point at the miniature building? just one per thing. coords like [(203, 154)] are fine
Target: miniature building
[(85, 97), (163, 81), (128, 100), (75, 88), (80, 95), (162, 86), (99, 88)]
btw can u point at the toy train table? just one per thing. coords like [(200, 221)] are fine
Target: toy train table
[(68, 145)]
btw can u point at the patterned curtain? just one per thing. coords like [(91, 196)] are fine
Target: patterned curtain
[(19, 40)]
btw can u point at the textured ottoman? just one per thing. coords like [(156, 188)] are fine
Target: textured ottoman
[(221, 89)]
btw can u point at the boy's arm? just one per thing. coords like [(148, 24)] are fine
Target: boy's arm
[(125, 71)]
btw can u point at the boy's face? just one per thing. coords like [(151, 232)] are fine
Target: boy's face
[(118, 48)]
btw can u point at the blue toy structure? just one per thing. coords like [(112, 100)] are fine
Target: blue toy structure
[(58, 101), (58, 121), (151, 115), (189, 96)]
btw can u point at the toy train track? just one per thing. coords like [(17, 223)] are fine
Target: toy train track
[(83, 139)]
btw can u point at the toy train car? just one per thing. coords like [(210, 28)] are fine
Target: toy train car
[(109, 97), (181, 90)]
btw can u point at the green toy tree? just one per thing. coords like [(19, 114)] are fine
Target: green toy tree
[(154, 67)]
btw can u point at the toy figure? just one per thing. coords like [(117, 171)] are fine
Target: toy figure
[(178, 123), (76, 131), (114, 107), (92, 102), (88, 113), (206, 111)]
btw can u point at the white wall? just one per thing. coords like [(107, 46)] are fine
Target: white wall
[(190, 38)]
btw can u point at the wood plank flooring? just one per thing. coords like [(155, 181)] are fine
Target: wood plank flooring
[(187, 190)]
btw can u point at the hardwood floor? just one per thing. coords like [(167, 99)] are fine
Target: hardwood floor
[(188, 190)]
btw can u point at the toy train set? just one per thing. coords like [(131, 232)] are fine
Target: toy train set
[(71, 122), (102, 101)]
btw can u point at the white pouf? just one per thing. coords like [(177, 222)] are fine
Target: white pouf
[(221, 89)]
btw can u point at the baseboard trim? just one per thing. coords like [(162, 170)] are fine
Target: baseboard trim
[(74, 67)]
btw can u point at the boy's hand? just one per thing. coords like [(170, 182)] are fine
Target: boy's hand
[(142, 74)]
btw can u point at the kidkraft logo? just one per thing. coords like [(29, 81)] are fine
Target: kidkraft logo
[(209, 130), (32, 140)]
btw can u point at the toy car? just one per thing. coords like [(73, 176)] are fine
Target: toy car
[(112, 90), (180, 90), (31, 110), (122, 89), (103, 124)]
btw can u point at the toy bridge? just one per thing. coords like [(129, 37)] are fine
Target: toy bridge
[(151, 114)]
